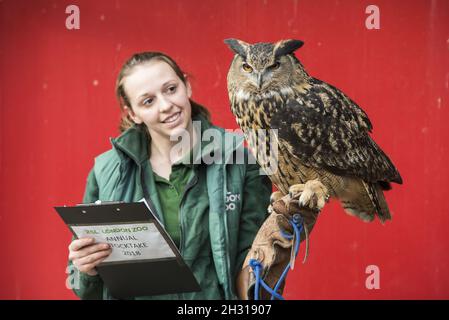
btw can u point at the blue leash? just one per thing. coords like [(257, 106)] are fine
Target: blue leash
[(297, 223)]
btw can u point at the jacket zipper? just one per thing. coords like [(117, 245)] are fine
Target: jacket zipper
[(225, 226), (146, 195)]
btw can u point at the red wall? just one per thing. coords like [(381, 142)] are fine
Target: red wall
[(54, 120)]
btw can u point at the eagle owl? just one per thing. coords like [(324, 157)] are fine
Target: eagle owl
[(322, 135)]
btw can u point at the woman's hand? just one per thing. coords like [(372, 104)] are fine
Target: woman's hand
[(85, 254)]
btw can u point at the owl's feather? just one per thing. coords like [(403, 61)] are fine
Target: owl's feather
[(327, 130)]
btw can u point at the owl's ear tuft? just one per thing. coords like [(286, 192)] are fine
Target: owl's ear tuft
[(284, 47), (238, 46)]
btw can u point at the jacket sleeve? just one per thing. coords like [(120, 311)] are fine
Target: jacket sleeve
[(84, 285), (256, 198)]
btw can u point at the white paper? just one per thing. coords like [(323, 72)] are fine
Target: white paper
[(135, 241), (149, 209)]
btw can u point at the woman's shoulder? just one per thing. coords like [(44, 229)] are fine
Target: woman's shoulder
[(111, 156), (131, 143), (107, 156), (106, 162)]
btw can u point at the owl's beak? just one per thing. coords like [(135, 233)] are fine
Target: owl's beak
[(259, 80)]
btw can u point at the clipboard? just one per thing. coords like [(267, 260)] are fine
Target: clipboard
[(144, 259)]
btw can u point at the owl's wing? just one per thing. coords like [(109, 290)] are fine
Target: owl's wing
[(325, 129)]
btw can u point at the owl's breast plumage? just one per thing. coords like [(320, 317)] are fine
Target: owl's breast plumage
[(253, 113), (254, 110)]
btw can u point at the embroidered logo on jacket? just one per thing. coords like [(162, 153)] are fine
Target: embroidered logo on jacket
[(231, 200)]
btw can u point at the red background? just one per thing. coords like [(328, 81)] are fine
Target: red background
[(58, 110)]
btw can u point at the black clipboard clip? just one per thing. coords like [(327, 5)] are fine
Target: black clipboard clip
[(98, 202)]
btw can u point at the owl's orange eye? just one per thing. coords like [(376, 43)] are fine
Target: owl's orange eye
[(246, 67)]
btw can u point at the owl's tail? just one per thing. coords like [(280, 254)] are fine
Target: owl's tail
[(377, 197), (365, 201)]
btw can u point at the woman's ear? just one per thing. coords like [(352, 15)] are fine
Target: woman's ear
[(132, 115), (189, 89)]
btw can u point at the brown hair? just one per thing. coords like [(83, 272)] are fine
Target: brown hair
[(140, 59)]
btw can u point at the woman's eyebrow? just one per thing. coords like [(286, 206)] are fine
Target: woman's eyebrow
[(143, 95), (163, 85)]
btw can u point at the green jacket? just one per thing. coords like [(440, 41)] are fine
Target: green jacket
[(238, 199)]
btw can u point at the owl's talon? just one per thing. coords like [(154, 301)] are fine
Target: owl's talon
[(313, 194), (275, 196)]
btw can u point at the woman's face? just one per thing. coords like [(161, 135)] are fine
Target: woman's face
[(159, 99)]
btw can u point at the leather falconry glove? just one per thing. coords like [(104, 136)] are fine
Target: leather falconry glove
[(271, 248)]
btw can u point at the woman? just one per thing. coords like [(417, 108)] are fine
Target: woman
[(212, 210)]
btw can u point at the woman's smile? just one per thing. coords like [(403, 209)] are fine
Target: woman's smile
[(173, 117)]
